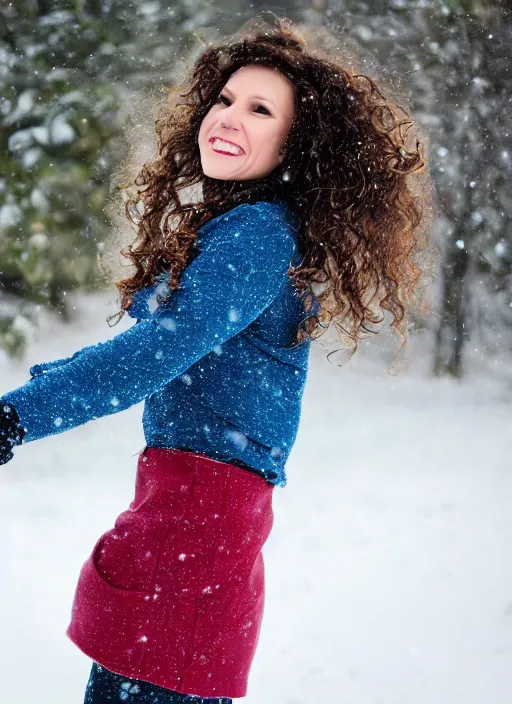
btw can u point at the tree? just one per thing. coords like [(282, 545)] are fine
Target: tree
[(453, 58)]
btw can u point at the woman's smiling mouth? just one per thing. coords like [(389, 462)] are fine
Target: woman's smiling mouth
[(220, 146)]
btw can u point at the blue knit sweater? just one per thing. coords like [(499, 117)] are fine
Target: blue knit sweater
[(214, 362)]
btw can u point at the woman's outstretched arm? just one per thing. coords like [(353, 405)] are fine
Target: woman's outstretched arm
[(240, 271)]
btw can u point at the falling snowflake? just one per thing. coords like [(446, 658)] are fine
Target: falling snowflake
[(157, 297), (501, 248), (128, 688), (238, 438), (168, 323)]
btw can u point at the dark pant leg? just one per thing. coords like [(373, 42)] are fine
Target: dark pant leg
[(105, 687)]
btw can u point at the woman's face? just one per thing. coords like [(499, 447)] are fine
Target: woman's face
[(253, 113)]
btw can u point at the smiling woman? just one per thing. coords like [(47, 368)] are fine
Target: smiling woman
[(304, 171), (250, 121)]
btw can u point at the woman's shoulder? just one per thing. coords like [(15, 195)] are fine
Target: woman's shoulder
[(218, 236)]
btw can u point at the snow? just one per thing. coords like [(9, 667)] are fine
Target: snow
[(61, 132), (39, 200), (39, 240), (25, 105), (30, 157), (10, 215), (388, 578)]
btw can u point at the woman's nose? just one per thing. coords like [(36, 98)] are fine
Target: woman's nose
[(230, 120)]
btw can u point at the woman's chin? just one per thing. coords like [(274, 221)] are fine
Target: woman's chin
[(221, 175)]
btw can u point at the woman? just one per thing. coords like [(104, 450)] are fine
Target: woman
[(307, 217)]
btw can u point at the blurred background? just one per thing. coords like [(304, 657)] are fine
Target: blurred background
[(68, 68), (388, 569)]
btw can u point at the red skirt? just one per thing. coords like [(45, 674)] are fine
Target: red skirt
[(174, 593)]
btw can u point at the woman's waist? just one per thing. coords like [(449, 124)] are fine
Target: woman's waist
[(217, 457), (165, 475), (201, 431), (190, 455)]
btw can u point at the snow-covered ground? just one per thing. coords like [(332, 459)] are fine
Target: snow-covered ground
[(388, 570)]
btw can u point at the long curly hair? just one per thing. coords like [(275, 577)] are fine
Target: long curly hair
[(347, 173)]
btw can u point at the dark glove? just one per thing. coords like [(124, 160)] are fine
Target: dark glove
[(12, 431)]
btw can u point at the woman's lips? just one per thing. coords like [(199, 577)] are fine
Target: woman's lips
[(221, 151)]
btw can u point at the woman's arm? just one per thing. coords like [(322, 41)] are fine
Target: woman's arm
[(240, 271)]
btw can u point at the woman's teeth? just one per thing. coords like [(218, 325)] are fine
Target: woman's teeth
[(220, 145)]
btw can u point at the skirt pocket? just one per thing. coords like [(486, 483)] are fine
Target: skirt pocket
[(126, 557), (108, 623)]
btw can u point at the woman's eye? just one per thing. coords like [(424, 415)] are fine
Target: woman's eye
[(226, 101)]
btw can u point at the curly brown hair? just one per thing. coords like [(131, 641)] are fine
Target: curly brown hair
[(346, 173)]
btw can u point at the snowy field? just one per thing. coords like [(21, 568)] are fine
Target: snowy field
[(389, 567)]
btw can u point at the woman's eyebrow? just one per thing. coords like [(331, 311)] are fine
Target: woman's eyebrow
[(256, 97)]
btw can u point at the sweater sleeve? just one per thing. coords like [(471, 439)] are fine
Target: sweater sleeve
[(239, 272)]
